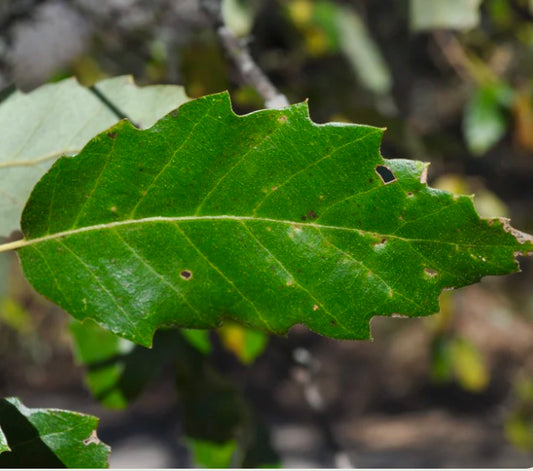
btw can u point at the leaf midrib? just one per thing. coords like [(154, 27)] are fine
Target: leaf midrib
[(176, 219)]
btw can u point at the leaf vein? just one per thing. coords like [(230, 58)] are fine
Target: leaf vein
[(298, 283), (312, 164), (151, 268), (102, 285), (221, 273)]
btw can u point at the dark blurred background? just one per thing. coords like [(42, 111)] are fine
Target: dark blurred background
[(452, 82)]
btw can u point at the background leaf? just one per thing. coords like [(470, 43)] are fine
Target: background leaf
[(435, 14), (219, 426), (60, 118), (268, 219), (117, 369), (362, 52), (48, 438), (484, 121), (246, 344)]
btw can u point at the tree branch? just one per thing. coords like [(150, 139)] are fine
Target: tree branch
[(239, 53)]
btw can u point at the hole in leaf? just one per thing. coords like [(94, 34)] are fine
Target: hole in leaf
[(186, 274), (385, 173)]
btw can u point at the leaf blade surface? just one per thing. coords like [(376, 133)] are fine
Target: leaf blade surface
[(268, 219)]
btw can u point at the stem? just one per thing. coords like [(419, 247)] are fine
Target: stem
[(17, 244), (239, 53)]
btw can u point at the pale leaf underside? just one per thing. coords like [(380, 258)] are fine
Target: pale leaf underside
[(59, 119)]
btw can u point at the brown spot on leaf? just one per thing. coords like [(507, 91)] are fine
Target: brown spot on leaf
[(282, 119), (112, 135), (186, 274), (315, 307), (303, 218), (312, 215), (431, 272)]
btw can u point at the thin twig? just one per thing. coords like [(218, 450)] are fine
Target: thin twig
[(239, 53), (464, 64)]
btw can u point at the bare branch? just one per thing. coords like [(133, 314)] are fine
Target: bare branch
[(239, 53)]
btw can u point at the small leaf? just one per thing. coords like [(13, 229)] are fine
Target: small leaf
[(119, 370), (4, 446), (211, 455), (437, 14), (246, 344), (470, 367), (484, 122), (48, 438), (267, 219), (199, 339), (59, 119)]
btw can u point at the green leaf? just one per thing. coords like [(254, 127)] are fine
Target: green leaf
[(48, 438), (436, 14), (59, 119), (246, 344), (4, 446), (119, 370), (199, 339), (211, 455), (267, 219), (484, 121)]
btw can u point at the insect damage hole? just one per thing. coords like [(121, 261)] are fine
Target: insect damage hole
[(186, 274), (385, 173), (92, 438)]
